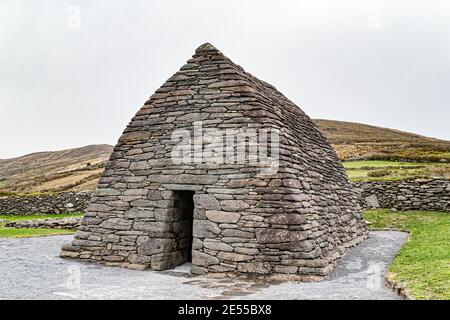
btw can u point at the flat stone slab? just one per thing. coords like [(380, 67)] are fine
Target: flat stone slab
[(32, 269), (52, 223)]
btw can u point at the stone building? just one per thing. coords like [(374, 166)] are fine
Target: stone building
[(160, 204)]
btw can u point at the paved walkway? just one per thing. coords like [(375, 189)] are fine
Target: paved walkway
[(31, 269)]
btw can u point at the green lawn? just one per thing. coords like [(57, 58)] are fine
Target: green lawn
[(377, 170), (423, 263), (3, 183), (380, 164), (359, 175), (32, 232)]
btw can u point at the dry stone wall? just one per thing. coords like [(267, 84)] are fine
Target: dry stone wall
[(52, 223), (418, 194), (422, 194), (66, 202)]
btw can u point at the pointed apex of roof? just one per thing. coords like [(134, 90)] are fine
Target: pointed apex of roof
[(206, 47)]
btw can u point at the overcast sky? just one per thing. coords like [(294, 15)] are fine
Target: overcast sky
[(73, 73)]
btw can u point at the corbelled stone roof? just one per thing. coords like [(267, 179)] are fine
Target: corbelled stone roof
[(270, 107)]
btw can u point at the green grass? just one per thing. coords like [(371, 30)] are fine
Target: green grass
[(379, 164), (445, 154), (423, 263), (3, 183), (361, 175), (393, 175), (32, 232), (12, 218), (392, 170)]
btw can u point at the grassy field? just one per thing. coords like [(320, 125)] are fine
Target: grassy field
[(32, 232), (357, 141), (379, 164), (423, 263), (3, 184), (377, 170), (73, 169)]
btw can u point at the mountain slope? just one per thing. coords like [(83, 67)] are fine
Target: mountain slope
[(79, 169), (360, 141), (72, 169)]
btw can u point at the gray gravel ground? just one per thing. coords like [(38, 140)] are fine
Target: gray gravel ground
[(31, 269)]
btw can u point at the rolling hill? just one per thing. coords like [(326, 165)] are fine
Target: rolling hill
[(79, 169), (357, 141), (73, 169)]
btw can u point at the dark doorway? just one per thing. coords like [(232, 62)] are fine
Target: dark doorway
[(184, 202)]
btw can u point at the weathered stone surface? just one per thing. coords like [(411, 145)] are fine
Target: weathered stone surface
[(249, 251), (199, 214), (116, 224), (197, 244), (153, 226), (217, 246), (137, 259), (69, 254), (139, 213), (287, 218), (243, 183), (140, 165), (255, 267), (202, 259), (223, 216), (193, 179), (134, 137), (154, 195), (234, 205), (198, 270), (164, 261), (169, 214), (315, 263), (238, 234), (182, 187), (235, 257), (315, 253), (205, 229), (286, 269), (294, 246), (414, 194), (372, 201), (51, 223), (279, 235), (148, 246), (65, 202), (206, 201)]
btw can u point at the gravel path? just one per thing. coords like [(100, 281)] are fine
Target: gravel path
[(31, 269)]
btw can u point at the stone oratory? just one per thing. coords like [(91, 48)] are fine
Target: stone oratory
[(178, 189)]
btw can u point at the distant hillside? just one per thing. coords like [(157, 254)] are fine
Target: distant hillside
[(360, 141), (73, 169), (79, 169)]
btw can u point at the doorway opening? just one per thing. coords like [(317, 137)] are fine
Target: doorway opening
[(184, 202)]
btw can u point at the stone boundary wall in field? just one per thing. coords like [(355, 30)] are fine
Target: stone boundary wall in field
[(401, 195), (66, 202), (418, 194), (52, 223)]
